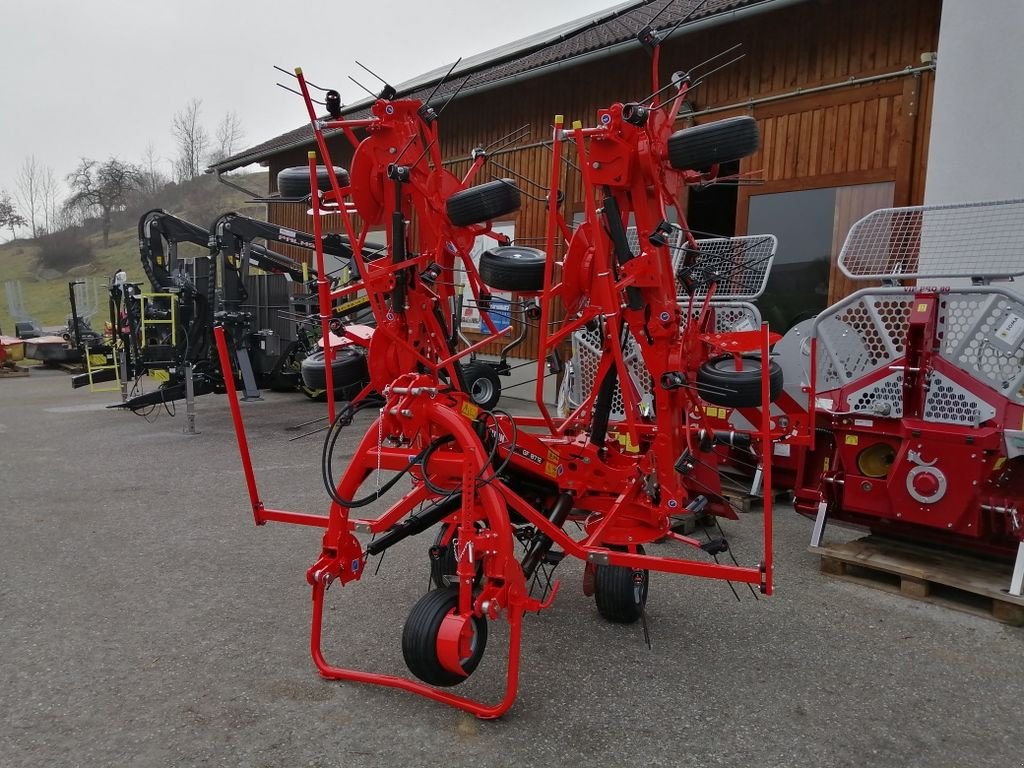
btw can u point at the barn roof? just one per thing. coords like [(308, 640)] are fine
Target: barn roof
[(528, 56)]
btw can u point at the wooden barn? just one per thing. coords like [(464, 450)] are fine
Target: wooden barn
[(841, 90)]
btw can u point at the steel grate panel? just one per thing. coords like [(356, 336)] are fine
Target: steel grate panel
[(939, 241), (949, 403), (882, 398), (862, 337)]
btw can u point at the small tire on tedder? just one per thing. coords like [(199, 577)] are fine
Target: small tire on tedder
[(483, 384), (294, 182), (620, 592), (420, 639), (348, 367), (484, 202), (702, 146), (719, 382), (513, 268)]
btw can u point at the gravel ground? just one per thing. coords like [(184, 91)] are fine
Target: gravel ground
[(145, 621)]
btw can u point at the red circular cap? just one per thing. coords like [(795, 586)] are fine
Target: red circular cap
[(926, 484)]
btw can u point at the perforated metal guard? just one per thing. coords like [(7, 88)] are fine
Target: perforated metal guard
[(856, 339), (970, 323), (882, 398), (738, 267), (949, 403), (586, 355), (983, 240)]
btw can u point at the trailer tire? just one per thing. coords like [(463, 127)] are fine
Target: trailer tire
[(701, 146), (482, 384), (719, 383), (347, 368), (294, 182), (620, 592), (419, 639), (513, 268), (484, 202)]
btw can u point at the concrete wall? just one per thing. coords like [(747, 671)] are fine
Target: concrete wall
[(978, 113)]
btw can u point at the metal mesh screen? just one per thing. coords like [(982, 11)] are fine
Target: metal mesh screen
[(738, 267), (949, 403), (860, 337), (984, 240)]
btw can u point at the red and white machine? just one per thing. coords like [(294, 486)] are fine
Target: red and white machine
[(918, 382)]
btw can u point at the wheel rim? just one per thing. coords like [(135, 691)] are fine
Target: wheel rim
[(481, 390)]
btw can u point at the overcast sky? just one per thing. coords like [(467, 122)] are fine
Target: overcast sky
[(104, 78)]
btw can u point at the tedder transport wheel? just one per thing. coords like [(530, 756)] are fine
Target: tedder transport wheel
[(482, 384), (348, 368), (294, 182), (720, 383), (420, 636), (513, 268), (484, 202), (700, 147), (620, 592)]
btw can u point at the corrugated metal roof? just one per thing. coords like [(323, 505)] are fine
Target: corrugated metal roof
[(604, 29)]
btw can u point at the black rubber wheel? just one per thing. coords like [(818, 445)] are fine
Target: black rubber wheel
[(419, 639), (485, 202), (482, 384), (348, 368), (444, 562), (294, 182), (621, 592), (700, 147), (513, 268), (719, 383)]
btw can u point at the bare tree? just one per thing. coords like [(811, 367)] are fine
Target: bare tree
[(9, 216), (229, 136), (152, 179), (50, 193), (102, 188), (192, 139), (28, 189)]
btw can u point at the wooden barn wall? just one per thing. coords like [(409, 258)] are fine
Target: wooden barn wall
[(854, 134)]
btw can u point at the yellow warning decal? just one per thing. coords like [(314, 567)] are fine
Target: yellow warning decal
[(553, 457), (550, 469), (159, 374), (470, 411), (922, 307), (852, 439), (999, 463), (825, 464)]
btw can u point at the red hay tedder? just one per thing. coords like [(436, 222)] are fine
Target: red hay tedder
[(635, 458)]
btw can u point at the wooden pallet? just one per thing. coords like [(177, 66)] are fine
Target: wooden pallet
[(11, 370), (960, 582)]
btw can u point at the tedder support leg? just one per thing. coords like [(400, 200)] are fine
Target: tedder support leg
[(819, 524), (252, 392), (1017, 580)]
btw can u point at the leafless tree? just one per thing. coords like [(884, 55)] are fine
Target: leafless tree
[(193, 141), (102, 188), (9, 216), (152, 179), (229, 137), (28, 190), (50, 194)]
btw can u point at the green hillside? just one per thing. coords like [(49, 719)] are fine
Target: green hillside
[(45, 296)]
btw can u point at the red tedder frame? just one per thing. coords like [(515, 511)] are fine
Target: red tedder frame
[(489, 479)]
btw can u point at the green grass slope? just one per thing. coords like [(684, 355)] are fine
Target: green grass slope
[(46, 300)]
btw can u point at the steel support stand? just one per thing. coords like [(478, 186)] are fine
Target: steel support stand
[(190, 402), (819, 524), (1017, 580)]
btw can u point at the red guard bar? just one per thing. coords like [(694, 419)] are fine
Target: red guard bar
[(260, 514)]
